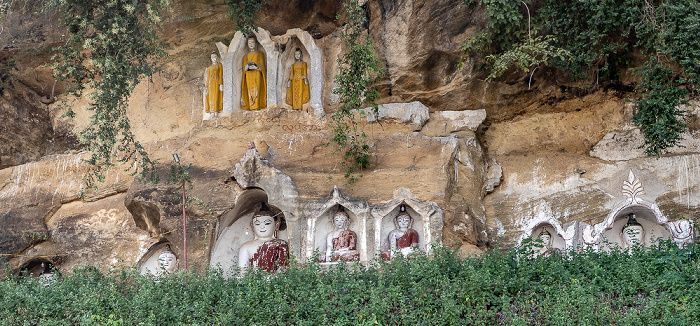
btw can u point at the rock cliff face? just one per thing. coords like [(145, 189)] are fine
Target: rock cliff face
[(493, 156)]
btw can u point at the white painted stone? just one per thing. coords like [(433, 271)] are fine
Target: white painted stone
[(620, 146), (415, 113), (460, 120)]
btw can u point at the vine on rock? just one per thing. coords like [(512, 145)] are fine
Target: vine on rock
[(359, 69), (245, 13), (594, 39), (110, 46)]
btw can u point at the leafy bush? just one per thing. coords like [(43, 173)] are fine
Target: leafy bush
[(500, 287)]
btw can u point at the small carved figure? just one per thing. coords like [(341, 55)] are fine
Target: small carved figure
[(46, 278), (298, 83), (214, 87), (253, 82), (403, 239), (265, 251), (546, 239), (341, 243), (167, 262), (632, 233)]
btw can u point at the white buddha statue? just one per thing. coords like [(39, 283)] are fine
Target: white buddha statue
[(167, 262), (632, 233), (546, 239), (265, 251), (341, 243), (403, 239)]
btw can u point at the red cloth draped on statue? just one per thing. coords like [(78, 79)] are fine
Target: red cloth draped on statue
[(271, 255)]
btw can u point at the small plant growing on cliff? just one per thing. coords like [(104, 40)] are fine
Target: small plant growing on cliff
[(109, 48), (359, 69), (245, 13)]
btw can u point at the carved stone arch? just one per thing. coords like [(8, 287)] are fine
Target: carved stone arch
[(262, 183), (563, 237), (318, 222), (231, 57), (647, 213), (428, 220), (32, 267), (311, 53)]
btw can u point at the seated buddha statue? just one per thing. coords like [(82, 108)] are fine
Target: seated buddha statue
[(341, 243), (265, 251)]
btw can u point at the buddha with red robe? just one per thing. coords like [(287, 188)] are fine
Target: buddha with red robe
[(265, 252)]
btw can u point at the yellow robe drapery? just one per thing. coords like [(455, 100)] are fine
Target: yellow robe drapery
[(253, 83), (214, 100), (298, 90)]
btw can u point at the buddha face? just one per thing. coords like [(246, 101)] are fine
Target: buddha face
[(251, 44), (264, 226), (632, 235), (546, 239), (214, 58), (403, 221), (340, 221), (297, 55), (167, 261)]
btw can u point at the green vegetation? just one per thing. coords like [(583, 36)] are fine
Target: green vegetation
[(359, 69), (110, 47), (245, 13), (652, 287), (593, 40)]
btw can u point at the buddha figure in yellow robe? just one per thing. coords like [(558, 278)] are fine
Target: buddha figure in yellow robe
[(214, 87), (298, 83), (253, 83)]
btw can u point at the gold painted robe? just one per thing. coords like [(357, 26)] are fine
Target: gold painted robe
[(253, 83), (298, 90), (214, 100)]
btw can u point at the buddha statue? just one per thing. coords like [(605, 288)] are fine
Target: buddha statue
[(265, 252), (253, 82), (546, 239), (214, 87), (298, 83), (632, 233), (46, 278), (341, 243), (403, 239), (167, 262)]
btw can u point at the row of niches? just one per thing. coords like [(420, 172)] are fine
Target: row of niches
[(261, 71), (633, 222), (258, 234)]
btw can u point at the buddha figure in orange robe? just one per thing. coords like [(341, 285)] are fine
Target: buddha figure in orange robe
[(298, 83), (253, 82), (214, 87)]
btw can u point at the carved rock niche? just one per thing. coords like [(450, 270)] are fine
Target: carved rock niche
[(235, 229), (656, 226), (148, 263), (320, 223), (231, 60), (558, 241), (311, 54), (563, 238), (427, 221)]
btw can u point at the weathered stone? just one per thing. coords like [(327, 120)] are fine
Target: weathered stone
[(414, 113), (442, 123)]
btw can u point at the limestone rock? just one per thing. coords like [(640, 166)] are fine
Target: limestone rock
[(414, 113), (442, 123)]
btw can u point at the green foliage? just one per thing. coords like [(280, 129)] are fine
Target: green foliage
[(658, 115), (109, 48), (594, 39), (359, 69), (245, 13), (648, 287)]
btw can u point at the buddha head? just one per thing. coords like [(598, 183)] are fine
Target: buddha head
[(264, 223), (632, 233), (341, 220), (546, 238), (251, 43), (297, 54), (214, 58), (403, 221), (167, 260)]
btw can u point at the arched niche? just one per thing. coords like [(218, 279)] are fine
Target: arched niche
[(231, 61), (36, 267), (648, 214), (319, 222), (427, 220), (148, 263), (311, 54), (235, 230), (563, 237)]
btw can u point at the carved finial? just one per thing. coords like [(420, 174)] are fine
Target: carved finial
[(632, 187)]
